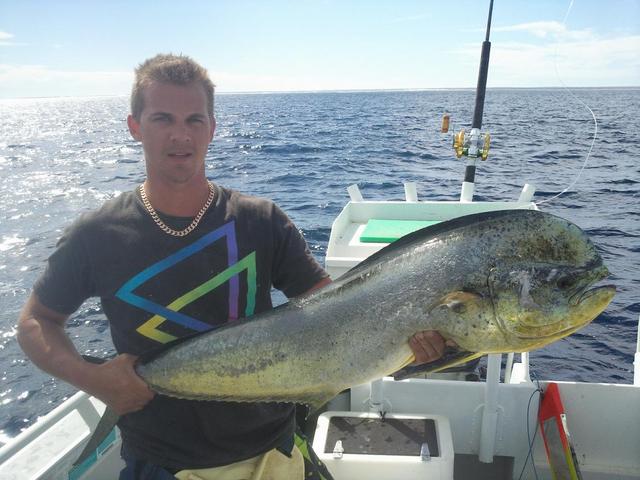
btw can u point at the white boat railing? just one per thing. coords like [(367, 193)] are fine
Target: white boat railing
[(636, 361), (79, 402)]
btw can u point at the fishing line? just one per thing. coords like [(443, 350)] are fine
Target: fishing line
[(538, 390), (595, 121)]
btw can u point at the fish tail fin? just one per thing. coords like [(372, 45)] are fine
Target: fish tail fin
[(105, 425)]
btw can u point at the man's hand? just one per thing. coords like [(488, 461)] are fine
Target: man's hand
[(428, 346), (118, 385)]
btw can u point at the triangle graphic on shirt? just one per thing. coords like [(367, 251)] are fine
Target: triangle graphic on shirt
[(248, 263), (172, 312)]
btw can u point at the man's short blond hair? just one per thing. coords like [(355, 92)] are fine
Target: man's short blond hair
[(173, 70)]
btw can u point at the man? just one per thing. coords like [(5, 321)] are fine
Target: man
[(164, 241)]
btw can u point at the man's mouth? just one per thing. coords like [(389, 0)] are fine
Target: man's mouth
[(180, 155)]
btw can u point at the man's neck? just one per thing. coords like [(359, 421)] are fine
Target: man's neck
[(177, 199)]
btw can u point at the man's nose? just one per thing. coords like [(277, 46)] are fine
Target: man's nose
[(180, 133)]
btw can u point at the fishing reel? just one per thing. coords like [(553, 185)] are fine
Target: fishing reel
[(474, 145)]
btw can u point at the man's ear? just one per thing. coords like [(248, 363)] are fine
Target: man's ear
[(134, 128)]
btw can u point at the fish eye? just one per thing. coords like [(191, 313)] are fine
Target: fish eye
[(565, 282), (459, 307)]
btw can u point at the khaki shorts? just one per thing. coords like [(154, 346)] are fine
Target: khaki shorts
[(272, 465)]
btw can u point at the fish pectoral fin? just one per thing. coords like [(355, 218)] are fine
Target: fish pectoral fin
[(459, 301), (105, 425), (452, 358)]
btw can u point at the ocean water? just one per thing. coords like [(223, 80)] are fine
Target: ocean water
[(63, 156)]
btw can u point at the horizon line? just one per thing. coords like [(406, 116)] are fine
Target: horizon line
[(357, 90)]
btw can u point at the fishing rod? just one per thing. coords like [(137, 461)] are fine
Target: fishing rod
[(476, 144)]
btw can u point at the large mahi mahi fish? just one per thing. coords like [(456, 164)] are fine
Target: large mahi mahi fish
[(504, 281)]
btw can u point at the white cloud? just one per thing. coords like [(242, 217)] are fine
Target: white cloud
[(41, 81), (5, 40), (581, 58), (240, 82), (545, 29), (328, 80)]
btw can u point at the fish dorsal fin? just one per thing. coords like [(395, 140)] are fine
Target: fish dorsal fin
[(355, 274), (431, 231)]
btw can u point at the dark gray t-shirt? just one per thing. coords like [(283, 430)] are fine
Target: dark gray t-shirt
[(155, 288)]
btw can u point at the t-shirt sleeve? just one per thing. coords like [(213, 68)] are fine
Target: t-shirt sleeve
[(295, 270), (66, 282)]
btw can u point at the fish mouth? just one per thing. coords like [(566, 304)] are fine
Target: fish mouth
[(588, 305), (587, 293), (590, 275)]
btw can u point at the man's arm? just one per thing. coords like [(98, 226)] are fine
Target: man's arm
[(427, 346), (42, 337)]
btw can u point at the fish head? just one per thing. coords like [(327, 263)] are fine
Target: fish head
[(533, 279), (537, 303)]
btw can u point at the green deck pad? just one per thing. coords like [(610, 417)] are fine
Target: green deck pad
[(387, 231)]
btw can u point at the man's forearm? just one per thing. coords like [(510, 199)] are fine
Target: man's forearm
[(48, 346), (42, 337)]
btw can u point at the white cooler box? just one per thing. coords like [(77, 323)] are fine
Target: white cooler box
[(358, 445)]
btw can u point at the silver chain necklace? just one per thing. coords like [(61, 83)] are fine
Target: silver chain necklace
[(163, 226)]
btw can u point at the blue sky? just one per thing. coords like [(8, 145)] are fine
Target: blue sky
[(53, 48)]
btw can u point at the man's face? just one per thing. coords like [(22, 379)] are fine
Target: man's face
[(175, 130)]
